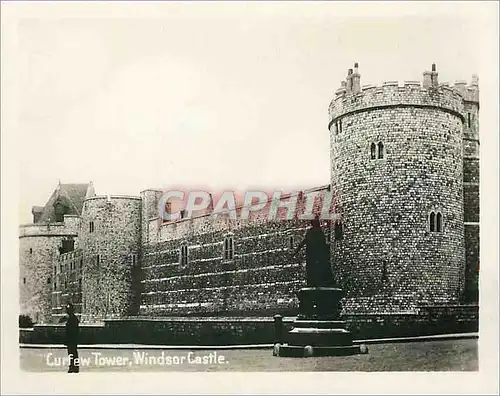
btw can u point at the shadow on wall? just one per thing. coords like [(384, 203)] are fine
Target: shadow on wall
[(25, 322)]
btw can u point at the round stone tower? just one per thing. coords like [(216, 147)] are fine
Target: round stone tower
[(397, 172), (38, 249), (110, 237)]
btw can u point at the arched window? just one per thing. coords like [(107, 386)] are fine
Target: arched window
[(432, 221), (183, 254), (439, 222), (436, 222), (228, 248), (380, 150), (373, 151), (290, 242)]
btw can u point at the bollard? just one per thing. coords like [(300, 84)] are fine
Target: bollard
[(276, 349), (308, 351), (278, 329)]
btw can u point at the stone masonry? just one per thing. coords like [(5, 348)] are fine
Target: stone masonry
[(110, 235), (405, 174), (386, 199)]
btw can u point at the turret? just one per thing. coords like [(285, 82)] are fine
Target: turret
[(375, 176)]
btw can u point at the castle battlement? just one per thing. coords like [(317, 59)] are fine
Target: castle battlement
[(69, 255), (351, 97), (48, 229), (392, 94), (113, 197)]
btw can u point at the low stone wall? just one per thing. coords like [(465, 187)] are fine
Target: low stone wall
[(429, 320), (26, 336), (209, 331), (55, 334), (195, 331)]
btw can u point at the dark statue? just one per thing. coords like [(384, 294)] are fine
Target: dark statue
[(318, 268), (319, 329)]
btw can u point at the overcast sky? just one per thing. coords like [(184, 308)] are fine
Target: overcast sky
[(225, 95)]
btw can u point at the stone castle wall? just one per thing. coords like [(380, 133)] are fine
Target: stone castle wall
[(261, 276), (471, 195), (38, 249), (386, 203), (67, 283), (384, 256), (110, 247)]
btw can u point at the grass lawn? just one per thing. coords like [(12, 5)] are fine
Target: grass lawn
[(442, 355)]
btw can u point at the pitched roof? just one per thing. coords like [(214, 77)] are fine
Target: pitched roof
[(69, 195)]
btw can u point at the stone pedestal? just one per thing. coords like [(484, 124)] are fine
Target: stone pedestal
[(318, 330)]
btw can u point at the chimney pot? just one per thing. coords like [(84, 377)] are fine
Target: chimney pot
[(433, 67)]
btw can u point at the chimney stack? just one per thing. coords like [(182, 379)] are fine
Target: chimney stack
[(475, 80), (356, 80), (434, 76), (431, 78), (349, 81)]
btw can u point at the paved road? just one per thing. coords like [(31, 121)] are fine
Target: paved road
[(441, 355)]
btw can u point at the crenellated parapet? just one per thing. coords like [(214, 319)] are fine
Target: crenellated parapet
[(395, 94), (469, 93), (352, 98), (69, 256)]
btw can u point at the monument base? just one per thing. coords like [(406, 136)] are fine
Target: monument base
[(318, 330), (309, 351)]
